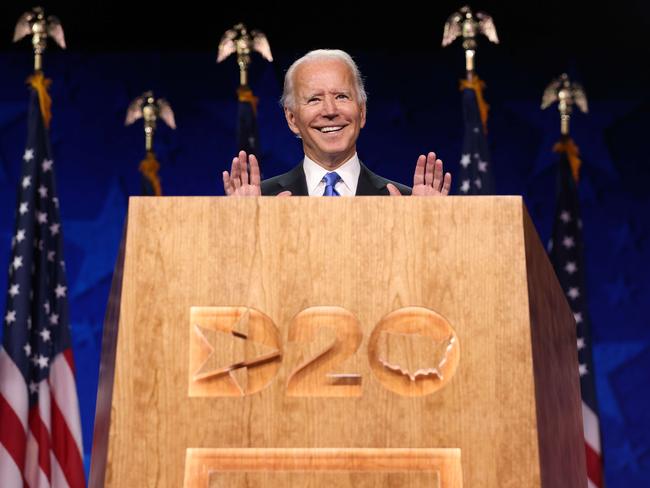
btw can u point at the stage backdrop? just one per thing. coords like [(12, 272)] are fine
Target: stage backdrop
[(414, 106)]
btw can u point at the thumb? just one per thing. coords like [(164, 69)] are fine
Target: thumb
[(284, 194), (392, 190)]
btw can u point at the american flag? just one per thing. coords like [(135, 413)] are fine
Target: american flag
[(40, 431), (475, 176), (565, 250)]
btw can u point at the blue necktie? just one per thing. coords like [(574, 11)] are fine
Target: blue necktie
[(330, 180)]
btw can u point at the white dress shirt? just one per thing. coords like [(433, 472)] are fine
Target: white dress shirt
[(346, 186)]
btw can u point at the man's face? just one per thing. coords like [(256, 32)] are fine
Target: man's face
[(327, 114)]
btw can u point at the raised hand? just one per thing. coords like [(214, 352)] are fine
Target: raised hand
[(239, 182), (428, 179)]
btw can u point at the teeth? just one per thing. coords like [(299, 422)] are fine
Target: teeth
[(330, 129)]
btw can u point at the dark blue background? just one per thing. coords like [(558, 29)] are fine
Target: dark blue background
[(414, 106)]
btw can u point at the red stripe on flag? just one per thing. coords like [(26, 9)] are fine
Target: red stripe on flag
[(65, 449), (40, 433), (12, 434), (594, 466), (70, 359)]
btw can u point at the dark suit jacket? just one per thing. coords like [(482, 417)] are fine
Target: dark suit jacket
[(369, 183)]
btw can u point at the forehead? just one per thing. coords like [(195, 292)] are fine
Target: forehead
[(323, 75)]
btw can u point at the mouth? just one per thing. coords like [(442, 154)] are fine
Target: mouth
[(330, 129)]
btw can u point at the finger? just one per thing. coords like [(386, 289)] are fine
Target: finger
[(255, 171), (286, 193), (437, 175), (418, 177), (392, 190), (446, 185), (243, 165), (227, 188), (235, 173), (428, 172)]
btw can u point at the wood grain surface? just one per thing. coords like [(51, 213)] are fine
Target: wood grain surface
[(465, 258)]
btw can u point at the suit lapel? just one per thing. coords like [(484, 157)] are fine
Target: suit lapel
[(295, 182), (369, 183)]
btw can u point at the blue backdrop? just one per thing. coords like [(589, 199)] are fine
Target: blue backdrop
[(414, 106)]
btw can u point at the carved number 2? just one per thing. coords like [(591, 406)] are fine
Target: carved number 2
[(321, 339)]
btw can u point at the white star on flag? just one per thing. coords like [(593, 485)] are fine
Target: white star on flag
[(24, 207), (47, 165), (29, 155), (42, 190), (46, 306), (54, 319), (571, 267), (478, 183), (28, 349), (465, 160), (18, 262), (54, 229), (568, 242), (581, 343), (565, 216), (50, 255), (582, 369), (33, 387), (573, 293), (578, 317), (465, 186), (482, 166), (20, 235), (10, 317), (45, 334), (60, 290), (27, 180), (41, 217), (14, 290), (42, 361)]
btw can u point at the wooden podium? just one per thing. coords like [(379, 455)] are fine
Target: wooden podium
[(337, 342)]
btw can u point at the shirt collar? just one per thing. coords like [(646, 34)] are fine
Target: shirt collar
[(348, 171)]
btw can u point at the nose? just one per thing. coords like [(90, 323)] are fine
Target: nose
[(329, 106)]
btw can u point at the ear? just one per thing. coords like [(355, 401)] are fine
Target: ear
[(291, 120), (363, 114)]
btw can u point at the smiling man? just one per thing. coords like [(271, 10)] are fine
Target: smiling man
[(324, 103)]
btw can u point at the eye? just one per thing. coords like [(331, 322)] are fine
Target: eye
[(342, 96), (313, 100)]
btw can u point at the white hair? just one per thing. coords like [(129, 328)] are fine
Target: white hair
[(288, 99)]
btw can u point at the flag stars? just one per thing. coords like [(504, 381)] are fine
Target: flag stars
[(582, 369), (10, 318), (54, 228), (570, 267), (14, 290), (573, 293), (45, 335), (482, 166), (47, 165), (568, 242), (17, 262), (476, 130), (54, 319), (42, 361), (465, 160), (60, 291), (56, 201), (28, 349), (50, 256), (581, 343), (33, 386), (565, 216), (29, 155), (578, 317), (464, 187), (24, 207), (42, 191), (20, 235), (41, 217), (27, 181), (478, 183)]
